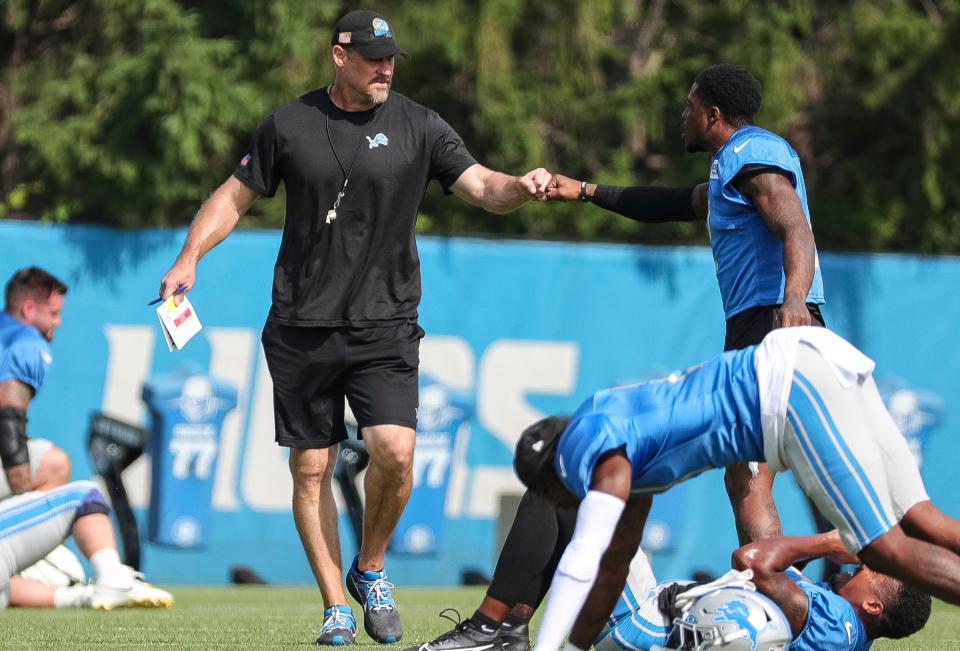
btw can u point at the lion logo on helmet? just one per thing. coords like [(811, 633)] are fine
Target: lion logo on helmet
[(738, 612)]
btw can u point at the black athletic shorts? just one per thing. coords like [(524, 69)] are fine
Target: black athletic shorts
[(750, 326), (314, 368)]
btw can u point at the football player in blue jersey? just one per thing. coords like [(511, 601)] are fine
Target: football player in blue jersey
[(34, 303), (755, 206), (803, 400), (846, 614)]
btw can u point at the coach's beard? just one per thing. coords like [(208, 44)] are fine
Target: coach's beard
[(380, 95)]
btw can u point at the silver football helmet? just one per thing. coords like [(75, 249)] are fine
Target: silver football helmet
[(733, 619)]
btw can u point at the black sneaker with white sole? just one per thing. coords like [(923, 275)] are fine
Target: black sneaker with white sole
[(465, 636)]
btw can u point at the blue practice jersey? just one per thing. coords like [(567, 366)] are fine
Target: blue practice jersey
[(832, 623), (747, 255), (638, 625), (24, 353), (670, 429)]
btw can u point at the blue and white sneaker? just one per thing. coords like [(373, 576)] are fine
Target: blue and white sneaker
[(339, 627), (381, 619)]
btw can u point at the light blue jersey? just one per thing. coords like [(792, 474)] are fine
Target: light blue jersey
[(670, 429), (747, 255), (832, 622), (638, 625), (24, 353)]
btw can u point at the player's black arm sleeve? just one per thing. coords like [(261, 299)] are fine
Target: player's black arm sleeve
[(13, 437), (651, 205)]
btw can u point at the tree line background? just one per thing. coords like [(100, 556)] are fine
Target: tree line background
[(130, 112)]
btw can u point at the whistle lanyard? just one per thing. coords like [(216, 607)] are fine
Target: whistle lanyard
[(332, 213)]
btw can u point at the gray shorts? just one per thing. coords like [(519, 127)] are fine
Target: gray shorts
[(846, 452), (32, 524)]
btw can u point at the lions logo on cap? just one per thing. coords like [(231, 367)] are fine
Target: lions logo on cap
[(381, 28)]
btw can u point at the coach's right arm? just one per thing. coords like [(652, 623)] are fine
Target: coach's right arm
[(217, 217)]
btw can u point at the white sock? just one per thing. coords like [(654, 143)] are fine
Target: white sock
[(74, 596), (106, 565)]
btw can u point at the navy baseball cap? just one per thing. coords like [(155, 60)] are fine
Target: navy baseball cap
[(368, 33), (535, 447)]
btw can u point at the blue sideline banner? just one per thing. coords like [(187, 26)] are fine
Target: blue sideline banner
[(518, 329)]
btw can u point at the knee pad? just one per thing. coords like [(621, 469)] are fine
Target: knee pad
[(13, 437)]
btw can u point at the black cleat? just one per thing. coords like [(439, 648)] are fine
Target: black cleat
[(515, 638), (465, 636)]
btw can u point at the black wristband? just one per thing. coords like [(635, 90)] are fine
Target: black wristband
[(583, 191)]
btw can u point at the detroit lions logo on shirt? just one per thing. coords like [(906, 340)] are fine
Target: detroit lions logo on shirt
[(377, 140)]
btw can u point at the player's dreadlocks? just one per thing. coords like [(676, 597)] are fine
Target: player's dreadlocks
[(732, 89)]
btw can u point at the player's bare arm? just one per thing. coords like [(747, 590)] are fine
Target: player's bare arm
[(217, 217), (754, 510), (773, 195), (769, 558), (497, 192), (15, 397)]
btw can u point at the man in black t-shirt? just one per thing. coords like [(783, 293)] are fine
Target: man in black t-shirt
[(355, 160)]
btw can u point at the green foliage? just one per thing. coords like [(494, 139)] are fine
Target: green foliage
[(131, 113)]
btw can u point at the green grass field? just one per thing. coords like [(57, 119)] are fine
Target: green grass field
[(287, 618)]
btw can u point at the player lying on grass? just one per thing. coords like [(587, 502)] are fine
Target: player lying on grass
[(33, 523), (803, 399), (845, 614)]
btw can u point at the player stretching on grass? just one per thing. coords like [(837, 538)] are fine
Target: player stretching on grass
[(845, 614), (804, 400), (32, 524)]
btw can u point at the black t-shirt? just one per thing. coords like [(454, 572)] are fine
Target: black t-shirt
[(363, 268)]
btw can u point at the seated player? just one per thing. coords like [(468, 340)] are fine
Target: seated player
[(804, 400), (32, 524), (34, 301), (846, 614)]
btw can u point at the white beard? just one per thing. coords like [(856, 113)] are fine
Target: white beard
[(379, 96)]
